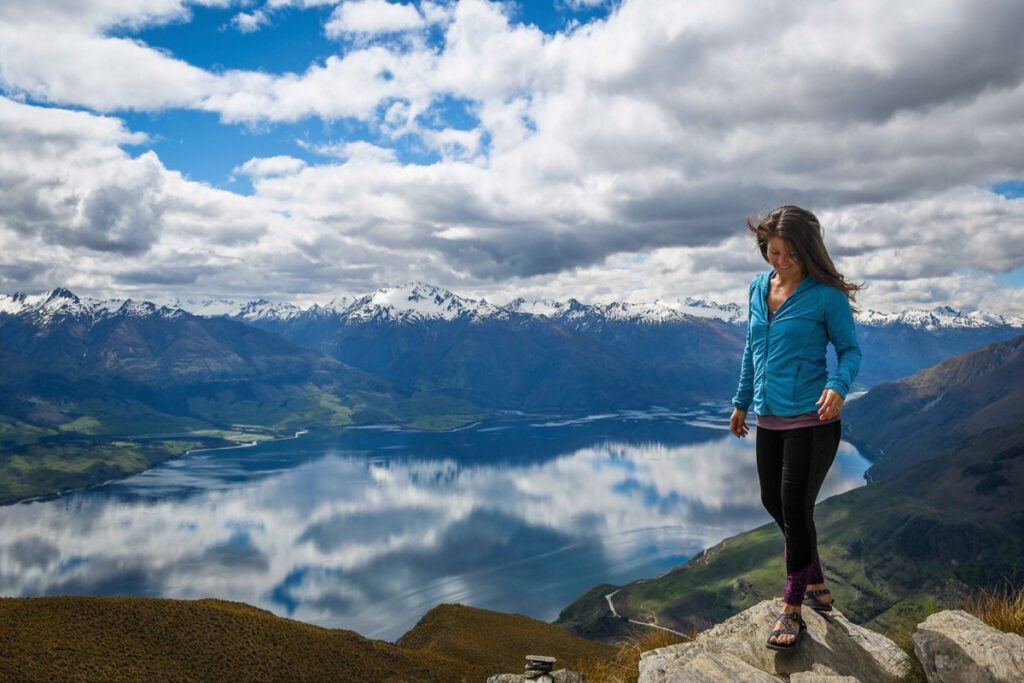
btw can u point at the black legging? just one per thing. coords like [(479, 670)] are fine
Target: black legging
[(791, 466)]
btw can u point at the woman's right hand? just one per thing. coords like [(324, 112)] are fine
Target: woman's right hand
[(738, 423)]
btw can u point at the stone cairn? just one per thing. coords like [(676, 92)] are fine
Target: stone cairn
[(538, 668)]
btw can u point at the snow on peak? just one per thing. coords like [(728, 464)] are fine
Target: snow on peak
[(653, 313), (61, 304), (413, 302), (938, 318), (206, 307), (545, 308), (699, 308), (262, 309)]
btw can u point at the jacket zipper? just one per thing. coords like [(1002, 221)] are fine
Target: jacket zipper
[(767, 335)]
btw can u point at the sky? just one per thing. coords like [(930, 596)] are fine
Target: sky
[(607, 150)]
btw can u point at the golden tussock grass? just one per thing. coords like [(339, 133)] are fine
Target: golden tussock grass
[(145, 639), (498, 642), (624, 665), (1001, 608), (148, 639)]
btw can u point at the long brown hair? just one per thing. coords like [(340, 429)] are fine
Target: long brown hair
[(801, 229)]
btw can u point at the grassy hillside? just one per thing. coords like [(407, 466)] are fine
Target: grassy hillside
[(143, 639)]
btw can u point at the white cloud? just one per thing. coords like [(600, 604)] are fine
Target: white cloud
[(372, 17), (654, 131), (258, 167), (249, 22)]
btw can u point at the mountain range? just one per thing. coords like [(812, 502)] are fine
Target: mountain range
[(622, 354), (540, 355), (79, 374), (91, 390), (938, 521)]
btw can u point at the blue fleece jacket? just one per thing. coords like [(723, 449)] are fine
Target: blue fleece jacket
[(784, 370)]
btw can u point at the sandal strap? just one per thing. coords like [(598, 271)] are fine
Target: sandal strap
[(791, 624), (816, 593)]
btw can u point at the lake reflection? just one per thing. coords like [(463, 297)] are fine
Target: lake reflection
[(370, 528)]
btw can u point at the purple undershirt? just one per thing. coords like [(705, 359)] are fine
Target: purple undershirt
[(796, 422)]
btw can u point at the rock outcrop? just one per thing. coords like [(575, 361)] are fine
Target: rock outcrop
[(955, 646), (832, 650), (558, 676)]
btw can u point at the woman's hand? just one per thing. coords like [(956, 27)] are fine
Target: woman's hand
[(830, 404), (738, 422)]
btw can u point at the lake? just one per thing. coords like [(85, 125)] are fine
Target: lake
[(367, 529)]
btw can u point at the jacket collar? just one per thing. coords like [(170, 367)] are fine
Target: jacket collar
[(762, 288)]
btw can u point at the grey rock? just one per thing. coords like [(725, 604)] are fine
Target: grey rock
[(955, 646), (696, 666), (831, 646), (559, 676), (813, 677)]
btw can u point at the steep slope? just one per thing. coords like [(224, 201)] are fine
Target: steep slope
[(901, 546), (943, 408)]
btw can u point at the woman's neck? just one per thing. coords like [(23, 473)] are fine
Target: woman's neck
[(789, 282)]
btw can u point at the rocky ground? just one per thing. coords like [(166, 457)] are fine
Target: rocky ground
[(951, 646)]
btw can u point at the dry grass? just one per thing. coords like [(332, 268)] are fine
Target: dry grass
[(624, 665), (498, 643), (141, 639), (1001, 608)]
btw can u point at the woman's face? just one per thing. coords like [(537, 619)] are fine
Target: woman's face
[(783, 259)]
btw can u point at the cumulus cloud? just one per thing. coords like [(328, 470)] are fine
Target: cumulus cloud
[(373, 16), (270, 166), (651, 132), (249, 22)]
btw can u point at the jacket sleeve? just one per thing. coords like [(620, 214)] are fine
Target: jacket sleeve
[(745, 390), (842, 332)]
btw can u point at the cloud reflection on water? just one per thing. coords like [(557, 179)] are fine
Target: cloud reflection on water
[(371, 539)]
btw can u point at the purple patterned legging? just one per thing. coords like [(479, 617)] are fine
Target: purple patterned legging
[(791, 466)]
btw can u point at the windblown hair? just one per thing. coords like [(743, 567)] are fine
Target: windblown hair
[(801, 229)]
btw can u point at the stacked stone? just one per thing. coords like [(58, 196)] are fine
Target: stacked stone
[(538, 668)]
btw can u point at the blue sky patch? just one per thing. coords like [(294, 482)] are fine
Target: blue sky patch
[(1011, 189)]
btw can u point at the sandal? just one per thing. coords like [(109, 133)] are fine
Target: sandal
[(793, 625), (812, 601)]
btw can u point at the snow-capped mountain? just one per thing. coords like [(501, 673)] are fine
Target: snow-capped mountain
[(43, 309), (699, 308), (651, 313), (261, 309), (941, 317), (416, 302), (207, 308)]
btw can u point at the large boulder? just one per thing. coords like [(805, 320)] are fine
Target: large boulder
[(954, 646), (832, 648)]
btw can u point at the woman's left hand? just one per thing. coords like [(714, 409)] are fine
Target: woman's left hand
[(830, 404)]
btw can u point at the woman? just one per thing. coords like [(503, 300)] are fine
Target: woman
[(796, 310)]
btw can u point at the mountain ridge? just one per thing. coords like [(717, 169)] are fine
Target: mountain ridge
[(418, 301)]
